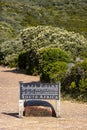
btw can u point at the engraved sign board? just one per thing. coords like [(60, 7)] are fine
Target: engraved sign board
[(39, 91), (46, 91)]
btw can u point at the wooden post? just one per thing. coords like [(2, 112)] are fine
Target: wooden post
[(57, 108), (58, 104), (21, 108), (21, 103)]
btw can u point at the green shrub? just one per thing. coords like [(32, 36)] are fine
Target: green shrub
[(75, 82), (22, 60), (32, 62), (13, 62), (72, 86), (50, 55), (83, 85), (28, 61), (53, 72), (52, 64), (10, 60)]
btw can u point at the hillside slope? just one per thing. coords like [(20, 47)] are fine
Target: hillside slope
[(68, 14)]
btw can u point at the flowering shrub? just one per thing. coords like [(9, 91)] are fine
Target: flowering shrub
[(41, 37)]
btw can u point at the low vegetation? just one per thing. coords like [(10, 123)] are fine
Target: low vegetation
[(75, 81)]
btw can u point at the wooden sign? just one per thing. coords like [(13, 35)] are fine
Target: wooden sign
[(39, 91)]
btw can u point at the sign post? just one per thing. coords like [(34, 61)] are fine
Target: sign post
[(46, 91), (21, 108), (58, 104)]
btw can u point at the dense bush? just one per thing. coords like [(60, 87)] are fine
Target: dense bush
[(6, 31), (50, 55), (75, 82), (9, 49), (52, 64), (13, 61), (32, 62), (22, 60), (28, 61), (53, 72), (43, 36)]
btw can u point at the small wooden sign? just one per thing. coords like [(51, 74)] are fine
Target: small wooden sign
[(46, 91), (39, 91)]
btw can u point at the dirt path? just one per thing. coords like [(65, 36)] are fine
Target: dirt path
[(73, 115)]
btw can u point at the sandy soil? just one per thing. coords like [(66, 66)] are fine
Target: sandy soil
[(73, 115)]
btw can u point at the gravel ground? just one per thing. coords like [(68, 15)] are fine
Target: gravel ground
[(73, 115)]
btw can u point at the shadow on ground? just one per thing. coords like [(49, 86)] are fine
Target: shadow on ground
[(17, 71), (11, 114)]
